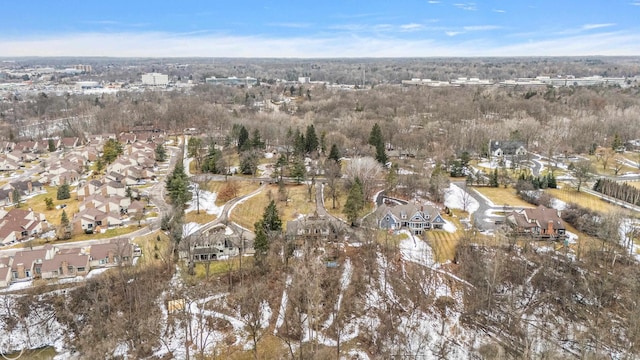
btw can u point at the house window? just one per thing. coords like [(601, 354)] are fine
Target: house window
[(70, 269), (98, 223), (81, 269), (14, 274), (103, 261), (27, 273), (89, 226), (38, 271)]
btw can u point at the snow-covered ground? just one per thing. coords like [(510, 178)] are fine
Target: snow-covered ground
[(415, 250), (456, 198), (207, 203), (558, 204)]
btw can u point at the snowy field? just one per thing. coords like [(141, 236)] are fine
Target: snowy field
[(455, 198), (207, 203)]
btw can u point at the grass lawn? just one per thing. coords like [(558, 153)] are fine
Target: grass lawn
[(37, 204), (501, 196), (201, 218), (340, 201), (569, 195), (244, 187), (247, 213), (153, 251), (635, 184), (220, 267)]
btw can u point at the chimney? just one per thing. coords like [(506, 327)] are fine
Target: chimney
[(20, 268), (550, 227)]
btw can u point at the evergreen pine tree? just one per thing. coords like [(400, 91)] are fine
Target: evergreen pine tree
[(334, 153), (311, 139), (355, 202)]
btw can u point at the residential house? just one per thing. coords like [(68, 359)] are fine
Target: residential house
[(69, 142), (116, 252), (127, 138), (18, 224), (506, 149), (314, 227), (90, 220), (27, 187), (413, 217), (5, 271), (541, 222), (27, 264), (216, 245), (64, 265), (7, 164), (113, 188), (6, 146), (26, 146), (88, 188)]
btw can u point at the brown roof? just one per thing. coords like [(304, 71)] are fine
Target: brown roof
[(27, 257), (4, 273), (76, 260), (102, 251), (544, 215)]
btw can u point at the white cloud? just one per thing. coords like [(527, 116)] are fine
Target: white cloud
[(433, 2), (635, 3), (596, 26), (159, 44), (499, 11), (466, 6), (481, 27), (411, 27)]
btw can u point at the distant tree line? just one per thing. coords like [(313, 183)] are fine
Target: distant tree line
[(624, 191)]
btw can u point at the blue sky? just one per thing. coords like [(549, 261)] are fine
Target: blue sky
[(346, 28)]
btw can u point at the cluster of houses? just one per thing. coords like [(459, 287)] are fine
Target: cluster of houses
[(51, 262), (17, 224), (14, 155), (106, 201)]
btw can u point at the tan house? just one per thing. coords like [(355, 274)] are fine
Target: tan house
[(27, 264), (541, 223), (116, 252), (65, 265)]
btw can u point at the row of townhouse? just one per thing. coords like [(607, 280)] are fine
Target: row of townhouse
[(39, 146), (19, 224), (24, 188), (53, 263), (106, 201)]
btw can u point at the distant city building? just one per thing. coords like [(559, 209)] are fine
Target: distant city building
[(155, 79), (87, 85), (83, 68), (232, 80), (304, 79)]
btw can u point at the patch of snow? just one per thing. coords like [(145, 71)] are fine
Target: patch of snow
[(405, 172), (265, 314), (283, 305), (455, 198), (190, 228), (415, 250), (268, 155), (96, 272), (449, 227), (207, 203), (355, 354), (558, 204)]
